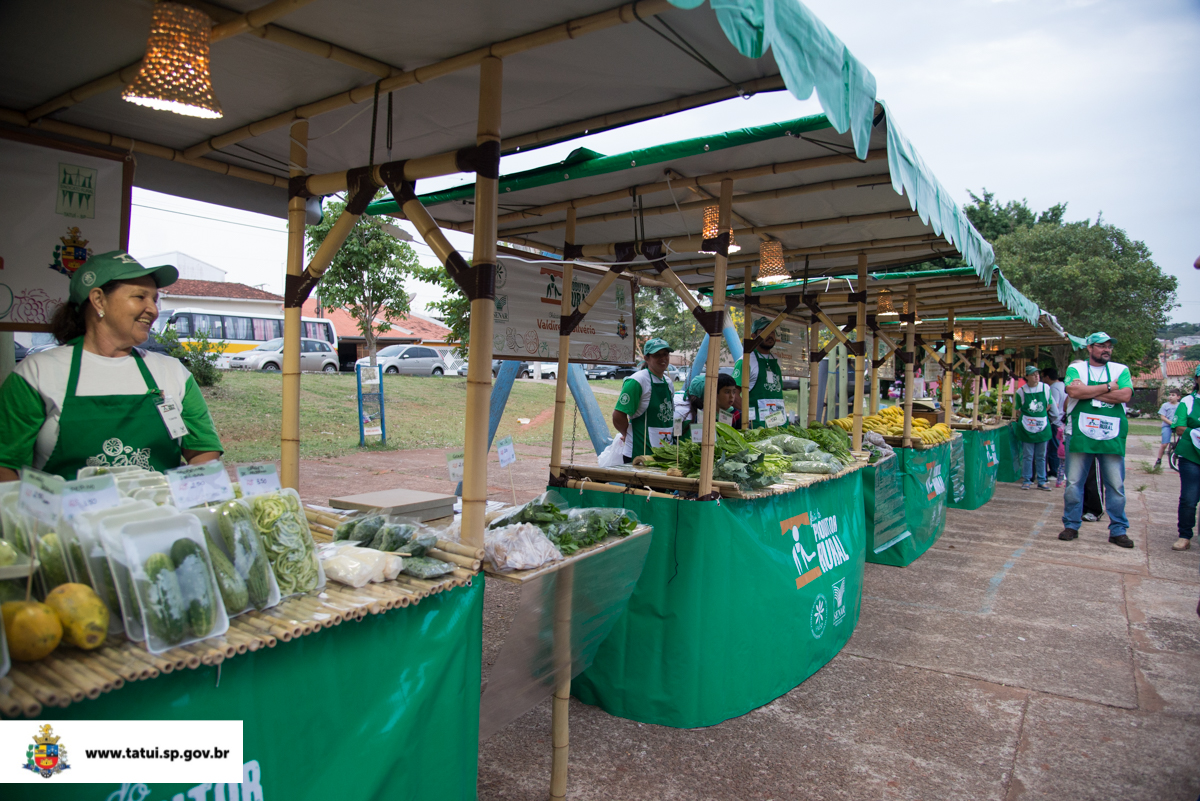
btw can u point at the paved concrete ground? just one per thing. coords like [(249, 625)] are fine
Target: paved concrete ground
[(1004, 664)]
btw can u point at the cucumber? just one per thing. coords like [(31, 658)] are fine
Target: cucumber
[(54, 565), (191, 570), (233, 588), (249, 558), (165, 611), (12, 590), (78, 563)]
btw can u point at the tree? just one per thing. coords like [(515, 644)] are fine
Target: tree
[(454, 307), (1192, 353), (660, 313), (1177, 330), (366, 277)]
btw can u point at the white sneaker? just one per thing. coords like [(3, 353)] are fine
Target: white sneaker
[(1181, 544)]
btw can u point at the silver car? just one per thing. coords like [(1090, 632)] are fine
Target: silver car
[(409, 360), (315, 357)]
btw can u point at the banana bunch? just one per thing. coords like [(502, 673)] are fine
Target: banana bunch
[(935, 434), (890, 423)]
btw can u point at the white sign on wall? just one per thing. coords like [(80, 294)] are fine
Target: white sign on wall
[(59, 207), (528, 306)]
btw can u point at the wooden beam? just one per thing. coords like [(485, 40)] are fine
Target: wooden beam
[(860, 358), (564, 353), (708, 439), (573, 29), (289, 445), (909, 348)]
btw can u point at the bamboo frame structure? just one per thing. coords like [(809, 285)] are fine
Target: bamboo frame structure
[(978, 366), (289, 444), (948, 371), (714, 351), (564, 355), (860, 357), (747, 313), (910, 357), (814, 383), (560, 735)]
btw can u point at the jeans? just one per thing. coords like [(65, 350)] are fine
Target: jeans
[(1111, 467), (1054, 465), (1033, 453), (1189, 494)]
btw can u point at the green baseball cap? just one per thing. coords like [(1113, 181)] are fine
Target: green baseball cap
[(655, 345), (696, 387), (1030, 369), (1098, 337), (116, 265), (1197, 373), (760, 324)]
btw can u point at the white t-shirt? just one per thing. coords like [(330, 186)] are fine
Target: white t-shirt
[(47, 372), (1090, 374)]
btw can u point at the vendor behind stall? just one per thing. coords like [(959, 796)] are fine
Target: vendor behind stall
[(99, 400), (766, 380), (728, 394), (645, 412)]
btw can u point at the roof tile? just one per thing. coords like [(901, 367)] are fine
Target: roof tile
[(217, 289)]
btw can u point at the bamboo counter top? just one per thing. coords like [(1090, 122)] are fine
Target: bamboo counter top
[(980, 426), (69, 675)]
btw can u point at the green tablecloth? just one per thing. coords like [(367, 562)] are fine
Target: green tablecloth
[(925, 478), (739, 602), (1008, 448), (981, 461), (385, 708)]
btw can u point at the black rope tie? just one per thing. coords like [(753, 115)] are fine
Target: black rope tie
[(389, 126), (374, 124), (687, 48)]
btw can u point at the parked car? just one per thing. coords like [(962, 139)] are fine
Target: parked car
[(21, 350), (409, 360), (462, 371), (315, 356), (602, 371)]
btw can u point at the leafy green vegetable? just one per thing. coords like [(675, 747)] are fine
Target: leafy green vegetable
[(586, 527)]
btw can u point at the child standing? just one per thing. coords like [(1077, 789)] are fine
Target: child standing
[(1166, 415)]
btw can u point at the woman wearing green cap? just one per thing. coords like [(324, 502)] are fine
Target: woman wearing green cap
[(1035, 407), (765, 378), (99, 401), (1187, 426), (645, 412)]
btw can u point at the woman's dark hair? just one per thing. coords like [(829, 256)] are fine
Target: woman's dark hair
[(723, 380), (70, 319), (1051, 373)]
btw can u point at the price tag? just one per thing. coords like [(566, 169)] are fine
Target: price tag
[(727, 417), (454, 464), (506, 452), (257, 479), (678, 430), (776, 420), (200, 484), (40, 496), (89, 495)]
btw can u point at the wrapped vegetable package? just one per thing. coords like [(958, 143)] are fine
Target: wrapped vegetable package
[(542, 510), (586, 527), (425, 568), (355, 566), (521, 546), (283, 529)]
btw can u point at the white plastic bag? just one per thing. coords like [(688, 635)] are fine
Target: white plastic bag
[(519, 547), (354, 566), (614, 454)]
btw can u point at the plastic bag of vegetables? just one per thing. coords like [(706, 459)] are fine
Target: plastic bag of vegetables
[(588, 526), (283, 529), (542, 511), (520, 546)]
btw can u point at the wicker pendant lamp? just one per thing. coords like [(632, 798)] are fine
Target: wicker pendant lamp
[(771, 268), (712, 228), (883, 304), (175, 72)]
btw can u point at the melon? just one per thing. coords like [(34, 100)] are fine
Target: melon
[(33, 630), (83, 615)]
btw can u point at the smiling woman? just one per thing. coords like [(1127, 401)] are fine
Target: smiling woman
[(98, 400)]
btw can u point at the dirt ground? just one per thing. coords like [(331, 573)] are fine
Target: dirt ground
[(1003, 664)]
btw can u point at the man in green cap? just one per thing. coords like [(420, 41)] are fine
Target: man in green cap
[(1187, 426), (645, 413), (1097, 391), (1035, 408), (765, 381)]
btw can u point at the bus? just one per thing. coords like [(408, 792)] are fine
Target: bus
[(238, 332)]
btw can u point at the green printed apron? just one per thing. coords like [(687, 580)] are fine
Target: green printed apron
[(1034, 425), (655, 427), (111, 430), (766, 396), (1097, 426)]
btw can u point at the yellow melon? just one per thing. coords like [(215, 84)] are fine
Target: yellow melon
[(83, 615), (33, 630)]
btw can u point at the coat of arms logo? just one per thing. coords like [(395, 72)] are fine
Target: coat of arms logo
[(71, 254), (46, 756)]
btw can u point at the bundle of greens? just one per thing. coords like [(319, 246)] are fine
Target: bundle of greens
[(541, 511), (586, 527), (735, 459)]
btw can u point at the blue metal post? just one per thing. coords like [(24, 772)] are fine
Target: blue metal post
[(732, 341), (589, 409), (501, 389)]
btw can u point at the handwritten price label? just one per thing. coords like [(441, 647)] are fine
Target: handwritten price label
[(89, 495), (776, 420), (199, 485), (258, 479), (454, 464), (506, 451), (40, 496)]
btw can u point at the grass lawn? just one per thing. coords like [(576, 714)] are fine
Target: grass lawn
[(1144, 429), (421, 413)]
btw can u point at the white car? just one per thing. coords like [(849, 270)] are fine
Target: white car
[(316, 356), (409, 360)]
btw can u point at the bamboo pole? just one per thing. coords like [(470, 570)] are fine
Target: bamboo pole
[(747, 356), (860, 358), (978, 365), (707, 443), (874, 247), (814, 372), (479, 370), (332, 243), (874, 383), (564, 588), (564, 354), (460, 549), (290, 435), (910, 349), (948, 372)]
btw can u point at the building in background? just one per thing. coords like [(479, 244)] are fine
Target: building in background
[(407, 330), (189, 267)]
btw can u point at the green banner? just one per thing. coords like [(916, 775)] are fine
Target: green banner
[(1009, 451), (981, 461), (738, 603), (385, 708), (883, 497), (958, 469), (925, 474)]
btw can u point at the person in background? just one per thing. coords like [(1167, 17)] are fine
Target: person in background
[(728, 396), (1187, 425), (1058, 391), (765, 378), (1035, 407), (1097, 390), (645, 412), (1166, 413)]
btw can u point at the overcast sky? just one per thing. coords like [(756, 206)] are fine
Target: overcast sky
[(1089, 102)]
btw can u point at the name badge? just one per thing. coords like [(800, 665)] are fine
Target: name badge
[(172, 417)]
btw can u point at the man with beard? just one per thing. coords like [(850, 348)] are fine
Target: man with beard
[(1097, 390), (764, 379)]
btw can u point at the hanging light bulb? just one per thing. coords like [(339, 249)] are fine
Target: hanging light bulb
[(771, 268), (734, 247), (175, 71), (958, 334), (883, 304)]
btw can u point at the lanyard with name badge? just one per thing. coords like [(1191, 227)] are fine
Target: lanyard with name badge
[(172, 415)]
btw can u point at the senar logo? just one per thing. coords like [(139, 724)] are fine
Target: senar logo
[(935, 485), (827, 549)]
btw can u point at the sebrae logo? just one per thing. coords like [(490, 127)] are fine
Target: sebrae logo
[(46, 756)]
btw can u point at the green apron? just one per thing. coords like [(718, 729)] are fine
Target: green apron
[(766, 396), (1034, 425), (655, 426), (1096, 426), (111, 430)]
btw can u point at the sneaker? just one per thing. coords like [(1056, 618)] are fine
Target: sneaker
[(1181, 544), (1068, 534), (1045, 487), (1122, 540), (1025, 485), (1059, 484), (1091, 518), (1157, 464)]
